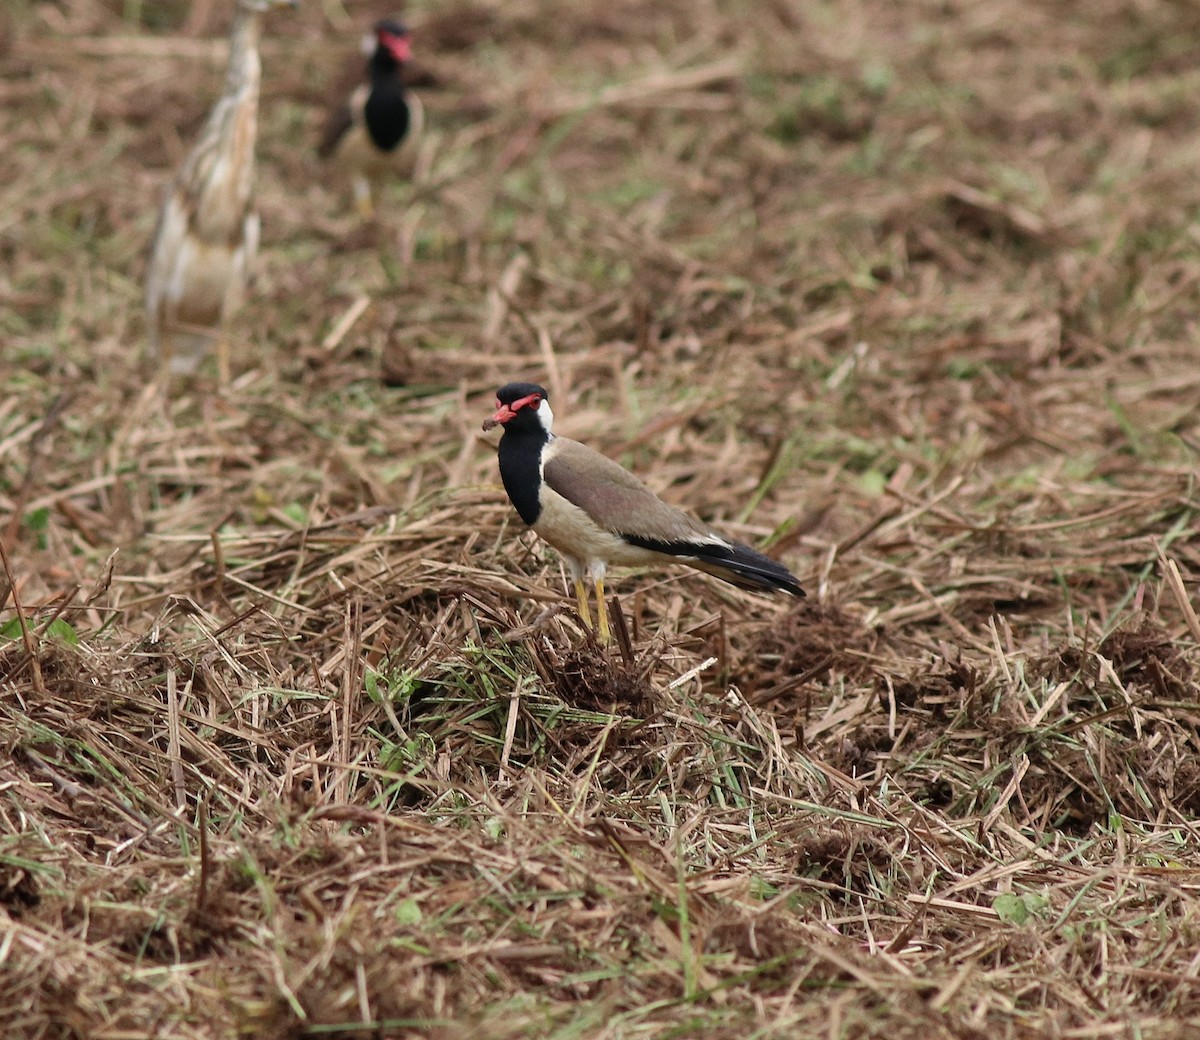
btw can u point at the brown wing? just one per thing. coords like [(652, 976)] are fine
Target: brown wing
[(340, 116), (621, 504), (337, 125), (615, 499)]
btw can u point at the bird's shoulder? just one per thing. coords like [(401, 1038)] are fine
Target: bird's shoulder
[(575, 463), (341, 119)]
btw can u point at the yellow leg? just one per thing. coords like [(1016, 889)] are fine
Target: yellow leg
[(362, 198), (602, 612), (581, 596)]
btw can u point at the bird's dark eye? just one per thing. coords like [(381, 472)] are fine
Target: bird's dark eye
[(534, 403)]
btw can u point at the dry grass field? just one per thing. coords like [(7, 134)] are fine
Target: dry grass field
[(300, 735)]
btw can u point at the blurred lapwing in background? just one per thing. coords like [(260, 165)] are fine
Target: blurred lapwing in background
[(372, 134)]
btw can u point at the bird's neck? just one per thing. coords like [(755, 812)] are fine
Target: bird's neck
[(521, 470), (383, 68), (388, 113), (232, 129), (245, 67)]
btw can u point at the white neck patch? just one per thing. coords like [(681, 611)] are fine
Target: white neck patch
[(545, 415)]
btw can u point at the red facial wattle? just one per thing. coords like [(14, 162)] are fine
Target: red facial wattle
[(398, 47), (506, 412)]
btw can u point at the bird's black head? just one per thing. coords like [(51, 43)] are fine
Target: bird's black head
[(393, 42), (522, 407)]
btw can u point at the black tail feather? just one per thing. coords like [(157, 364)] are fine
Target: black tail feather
[(735, 563)]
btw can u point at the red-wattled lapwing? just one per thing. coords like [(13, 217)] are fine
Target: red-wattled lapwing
[(595, 513), (373, 133), (207, 233)]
